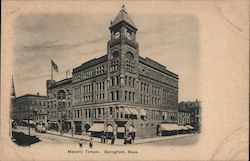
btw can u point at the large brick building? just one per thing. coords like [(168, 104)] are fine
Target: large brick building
[(117, 93), (29, 107)]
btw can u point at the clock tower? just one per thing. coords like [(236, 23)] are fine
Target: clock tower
[(123, 50)]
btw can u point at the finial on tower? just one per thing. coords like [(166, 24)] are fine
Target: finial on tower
[(123, 7)]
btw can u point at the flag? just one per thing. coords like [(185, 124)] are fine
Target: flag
[(53, 64)]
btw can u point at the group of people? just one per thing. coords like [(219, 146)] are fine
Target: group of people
[(105, 138), (90, 143), (129, 138)]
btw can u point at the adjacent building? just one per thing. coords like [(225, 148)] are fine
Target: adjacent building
[(116, 94), (59, 105), (189, 114), (183, 114), (29, 108)]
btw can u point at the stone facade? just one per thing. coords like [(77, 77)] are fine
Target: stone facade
[(59, 105), (120, 91)]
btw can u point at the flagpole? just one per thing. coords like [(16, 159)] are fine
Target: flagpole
[(51, 70)]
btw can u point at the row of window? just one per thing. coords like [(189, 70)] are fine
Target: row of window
[(144, 99), (87, 98), (155, 90), (158, 76), (130, 66), (119, 113), (100, 96), (144, 87), (84, 75), (129, 96), (184, 114), (168, 93), (52, 115), (114, 81), (99, 70), (129, 81), (114, 65), (156, 101), (183, 120), (100, 86), (88, 88), (114, 95)]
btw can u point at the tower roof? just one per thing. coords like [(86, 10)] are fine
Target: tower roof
[(123, 16), (12, 92)]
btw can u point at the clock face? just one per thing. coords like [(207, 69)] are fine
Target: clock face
[(117, 35), (128, 35)]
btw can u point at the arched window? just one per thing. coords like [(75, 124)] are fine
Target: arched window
[(129, 55), (115, 54), (69, 102), (61, 95)]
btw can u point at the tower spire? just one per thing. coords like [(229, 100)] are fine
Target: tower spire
[(123, 7), (13, 92)]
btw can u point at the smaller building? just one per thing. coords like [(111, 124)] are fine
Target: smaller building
[(29, 108), (189, 114), (183, 114)]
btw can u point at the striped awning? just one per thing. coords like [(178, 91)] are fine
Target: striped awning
[(133, 111), (169, 127), (183, 127), (126, 110), (131, 129), (97, 127), (189, 126), (121, 129), (110, 129)]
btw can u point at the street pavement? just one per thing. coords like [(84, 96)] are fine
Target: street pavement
[(48, 138)]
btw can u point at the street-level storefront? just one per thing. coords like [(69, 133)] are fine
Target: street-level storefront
[(53, 125), (78, 127)]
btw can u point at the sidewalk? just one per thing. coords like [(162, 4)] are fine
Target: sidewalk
[(120, 142)]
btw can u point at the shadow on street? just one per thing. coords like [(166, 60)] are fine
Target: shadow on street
[(24, 140)]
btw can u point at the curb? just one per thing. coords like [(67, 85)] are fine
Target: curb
[(160, 139)]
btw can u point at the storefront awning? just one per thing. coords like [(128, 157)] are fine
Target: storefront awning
[(97, 127), (110, 129), (189, 126), (131, 129), (126, 110), (169, 127), (133, 111), (143, 112), (121, 129), (183, 127)]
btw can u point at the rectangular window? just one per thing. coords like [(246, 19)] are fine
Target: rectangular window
[(126, 95)]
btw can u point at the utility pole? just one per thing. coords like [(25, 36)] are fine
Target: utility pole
[(29, 119), (106, 124)]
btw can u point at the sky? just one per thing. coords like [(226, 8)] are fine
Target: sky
[(71, 39)]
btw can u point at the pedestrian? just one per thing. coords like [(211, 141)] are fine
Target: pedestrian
[(113, 139), (90, 143), (104, 138), (129, 138), (80, 143), (125, 139)]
